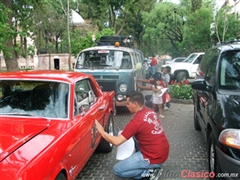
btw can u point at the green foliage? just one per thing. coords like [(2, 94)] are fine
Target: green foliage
[(197, 31), (226, 25), (80, 42), (180, 91), (5, 30)]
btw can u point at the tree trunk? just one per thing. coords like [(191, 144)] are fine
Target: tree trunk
[(9, 54)]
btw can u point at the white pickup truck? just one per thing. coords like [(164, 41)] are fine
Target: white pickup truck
[(186, 69)]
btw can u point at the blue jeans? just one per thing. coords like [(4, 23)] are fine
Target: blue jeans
[(153, 69), (133, 166)]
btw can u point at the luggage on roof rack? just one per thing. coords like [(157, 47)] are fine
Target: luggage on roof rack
[(126, 41)]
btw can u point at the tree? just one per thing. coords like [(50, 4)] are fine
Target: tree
[(197, 31), (226, 26), (3, 26), (163, 27), (18, 22)]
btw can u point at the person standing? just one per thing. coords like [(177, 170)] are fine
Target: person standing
[(145, 127), (166, 78), (157, 97), (166, 97), (154, 100), (153, 65)]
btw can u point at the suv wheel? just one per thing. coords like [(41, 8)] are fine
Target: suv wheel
[(181, 76), (212, 158)]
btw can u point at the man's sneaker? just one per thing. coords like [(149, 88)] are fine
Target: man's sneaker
[(165, 108), (161, 116), (156, 174)]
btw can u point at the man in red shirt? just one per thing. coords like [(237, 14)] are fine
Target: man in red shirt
[(152, 148), (153, 65)]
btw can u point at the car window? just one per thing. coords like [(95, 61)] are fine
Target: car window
[(100, 59), (35, 98), (229, 76), (179, 60), (85, 97), (190, 58), (198, 60), (126, 61), (208, 65)]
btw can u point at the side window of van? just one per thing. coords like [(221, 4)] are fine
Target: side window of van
[(134, 59)]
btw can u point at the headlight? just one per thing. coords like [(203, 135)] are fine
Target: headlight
[(120, 97), (123, 87), (230, 137)]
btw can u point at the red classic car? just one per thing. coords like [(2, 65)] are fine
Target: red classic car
[(47, 128)]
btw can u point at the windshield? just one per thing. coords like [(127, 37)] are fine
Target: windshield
[(34, 98), (99, 59), (230, 70), (190, 58)]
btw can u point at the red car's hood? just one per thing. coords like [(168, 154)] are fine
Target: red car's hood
[(15, 131)]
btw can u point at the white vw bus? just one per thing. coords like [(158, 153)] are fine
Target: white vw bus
[(114, 64)]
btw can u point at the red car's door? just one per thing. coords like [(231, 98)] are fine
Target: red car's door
[(88, 108)]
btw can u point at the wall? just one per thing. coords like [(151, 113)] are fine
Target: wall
[(42, 62)]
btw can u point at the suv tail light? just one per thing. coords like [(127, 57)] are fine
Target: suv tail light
[(230, 137)]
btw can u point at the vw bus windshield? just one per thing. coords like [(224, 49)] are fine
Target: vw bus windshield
[(99, 59)]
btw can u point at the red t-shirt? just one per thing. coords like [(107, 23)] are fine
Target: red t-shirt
[(153, 62), (148, 131)]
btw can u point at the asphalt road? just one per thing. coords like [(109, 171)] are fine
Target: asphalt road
[(188, 154)]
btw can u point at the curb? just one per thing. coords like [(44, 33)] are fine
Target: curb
[(181, 101)]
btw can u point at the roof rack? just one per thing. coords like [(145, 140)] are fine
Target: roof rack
[(229, 42), (126, 41)]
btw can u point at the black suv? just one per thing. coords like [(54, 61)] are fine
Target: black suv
[(216, 98)]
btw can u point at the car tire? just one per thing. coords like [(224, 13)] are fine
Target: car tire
[(181, 76), (213, 163), (196, 120), (105, 146), (172, 78), (60, 176)]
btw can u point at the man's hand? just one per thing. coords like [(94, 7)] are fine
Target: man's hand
[(99, 127)]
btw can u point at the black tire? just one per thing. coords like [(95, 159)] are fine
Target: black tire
[(172, 78), (196, 120), (213, 163), (181, 76), (105, 146), (60, 176)]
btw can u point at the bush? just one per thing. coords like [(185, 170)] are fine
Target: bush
[(180, 90)]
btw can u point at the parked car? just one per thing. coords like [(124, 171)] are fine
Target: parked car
[(115, 64), (186, 69), (178, 59), (165, 60), (216, 98), (47, 121)]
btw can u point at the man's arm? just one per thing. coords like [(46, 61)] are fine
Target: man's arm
[(143, 80), (115, 140), (144, 87)]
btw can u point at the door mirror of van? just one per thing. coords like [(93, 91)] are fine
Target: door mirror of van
[(200, 84)]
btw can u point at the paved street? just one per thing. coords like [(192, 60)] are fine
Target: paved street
[(187, 154)]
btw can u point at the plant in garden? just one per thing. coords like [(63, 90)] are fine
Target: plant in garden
[(180, 90)]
